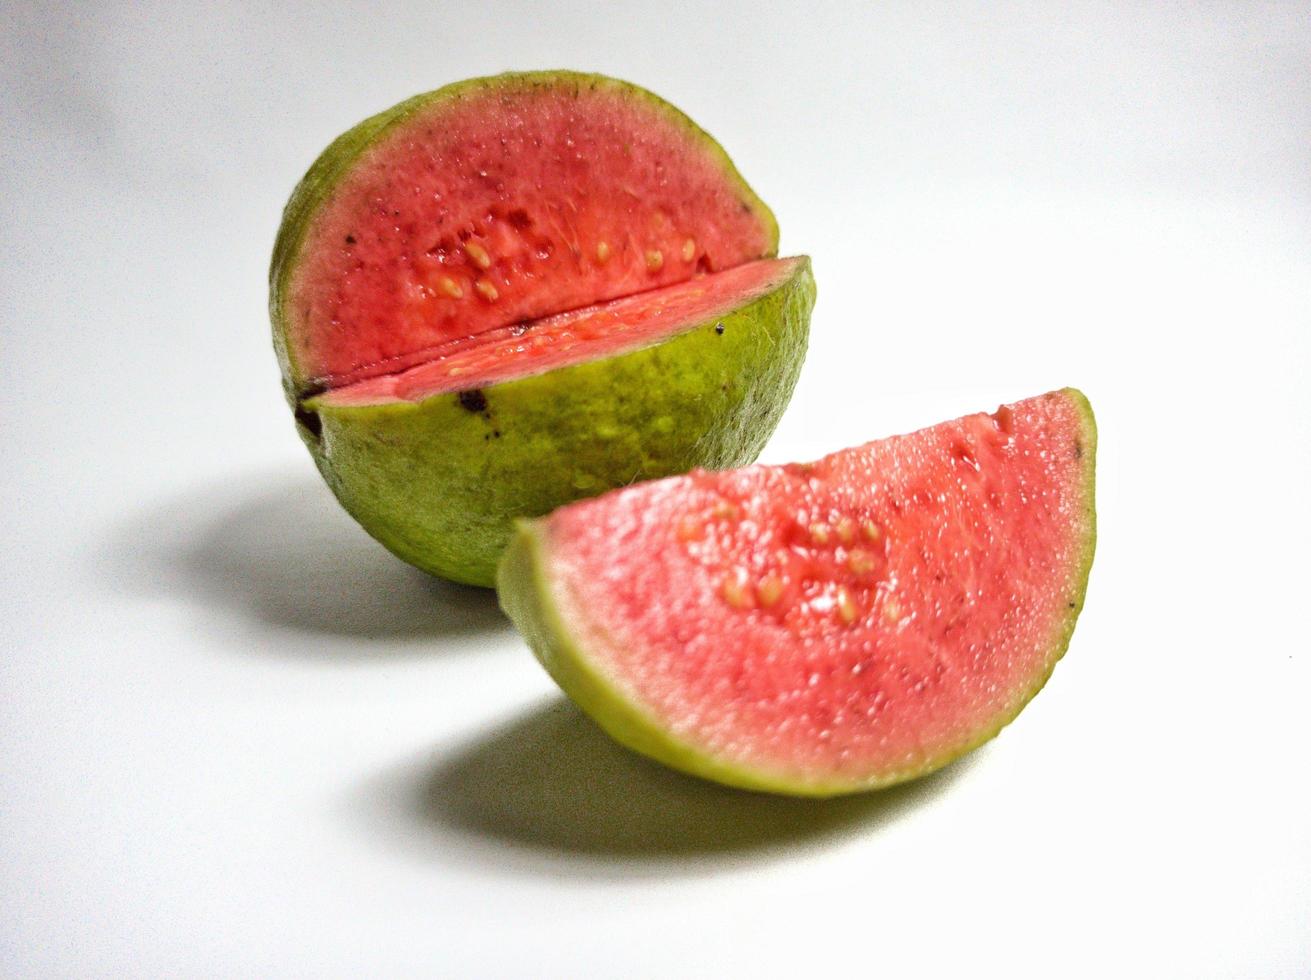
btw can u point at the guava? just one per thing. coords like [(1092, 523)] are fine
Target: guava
[(513, 292), (822, 628)]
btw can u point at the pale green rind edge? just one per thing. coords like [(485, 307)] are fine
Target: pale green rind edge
[(336, 160), (524, 589)]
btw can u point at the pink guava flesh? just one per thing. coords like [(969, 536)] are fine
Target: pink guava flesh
[(509, 203), (861, 616), (586, 334)]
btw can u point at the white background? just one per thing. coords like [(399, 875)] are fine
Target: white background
[(237, 738)]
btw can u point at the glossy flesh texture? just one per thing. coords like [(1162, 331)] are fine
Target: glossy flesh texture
[(536, 346), (491, 202), (829, 627)]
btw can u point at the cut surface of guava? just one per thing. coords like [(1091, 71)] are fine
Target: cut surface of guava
[(826, 627), (589, 333), (495, 201)]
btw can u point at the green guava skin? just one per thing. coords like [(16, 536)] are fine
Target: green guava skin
[(524, 590), (439, 482)]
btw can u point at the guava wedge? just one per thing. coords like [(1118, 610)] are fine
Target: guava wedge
[(822, 628), (516, 291)]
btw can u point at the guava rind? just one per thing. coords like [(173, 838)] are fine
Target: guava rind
[(440, 481), (524, 589), (323, 176)]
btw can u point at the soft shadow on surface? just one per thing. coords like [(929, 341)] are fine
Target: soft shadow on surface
[(281, 553), (553, 783)]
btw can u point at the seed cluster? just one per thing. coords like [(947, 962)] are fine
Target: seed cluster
[(485, 262), (819, 567)]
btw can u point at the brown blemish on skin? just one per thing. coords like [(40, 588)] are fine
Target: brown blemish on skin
[(473, 400), (310, 421)]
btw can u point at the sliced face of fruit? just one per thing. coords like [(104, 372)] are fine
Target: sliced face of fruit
[(491, 202), (828, 627), (590, 333)]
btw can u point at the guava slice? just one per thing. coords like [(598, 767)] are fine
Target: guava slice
[(543, 235), (829, 627)]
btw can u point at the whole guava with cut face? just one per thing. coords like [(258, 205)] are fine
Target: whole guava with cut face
[(516, 291)]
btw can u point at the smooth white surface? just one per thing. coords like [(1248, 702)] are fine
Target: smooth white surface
[(238, 739)]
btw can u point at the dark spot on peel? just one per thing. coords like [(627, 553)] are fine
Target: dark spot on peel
[(310, 422), (1071, 605), (473, 400), (719, 329), (1078, 449)]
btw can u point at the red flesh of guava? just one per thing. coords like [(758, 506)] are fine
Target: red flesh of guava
[(537, 346), (869, 613), (506, 205)]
